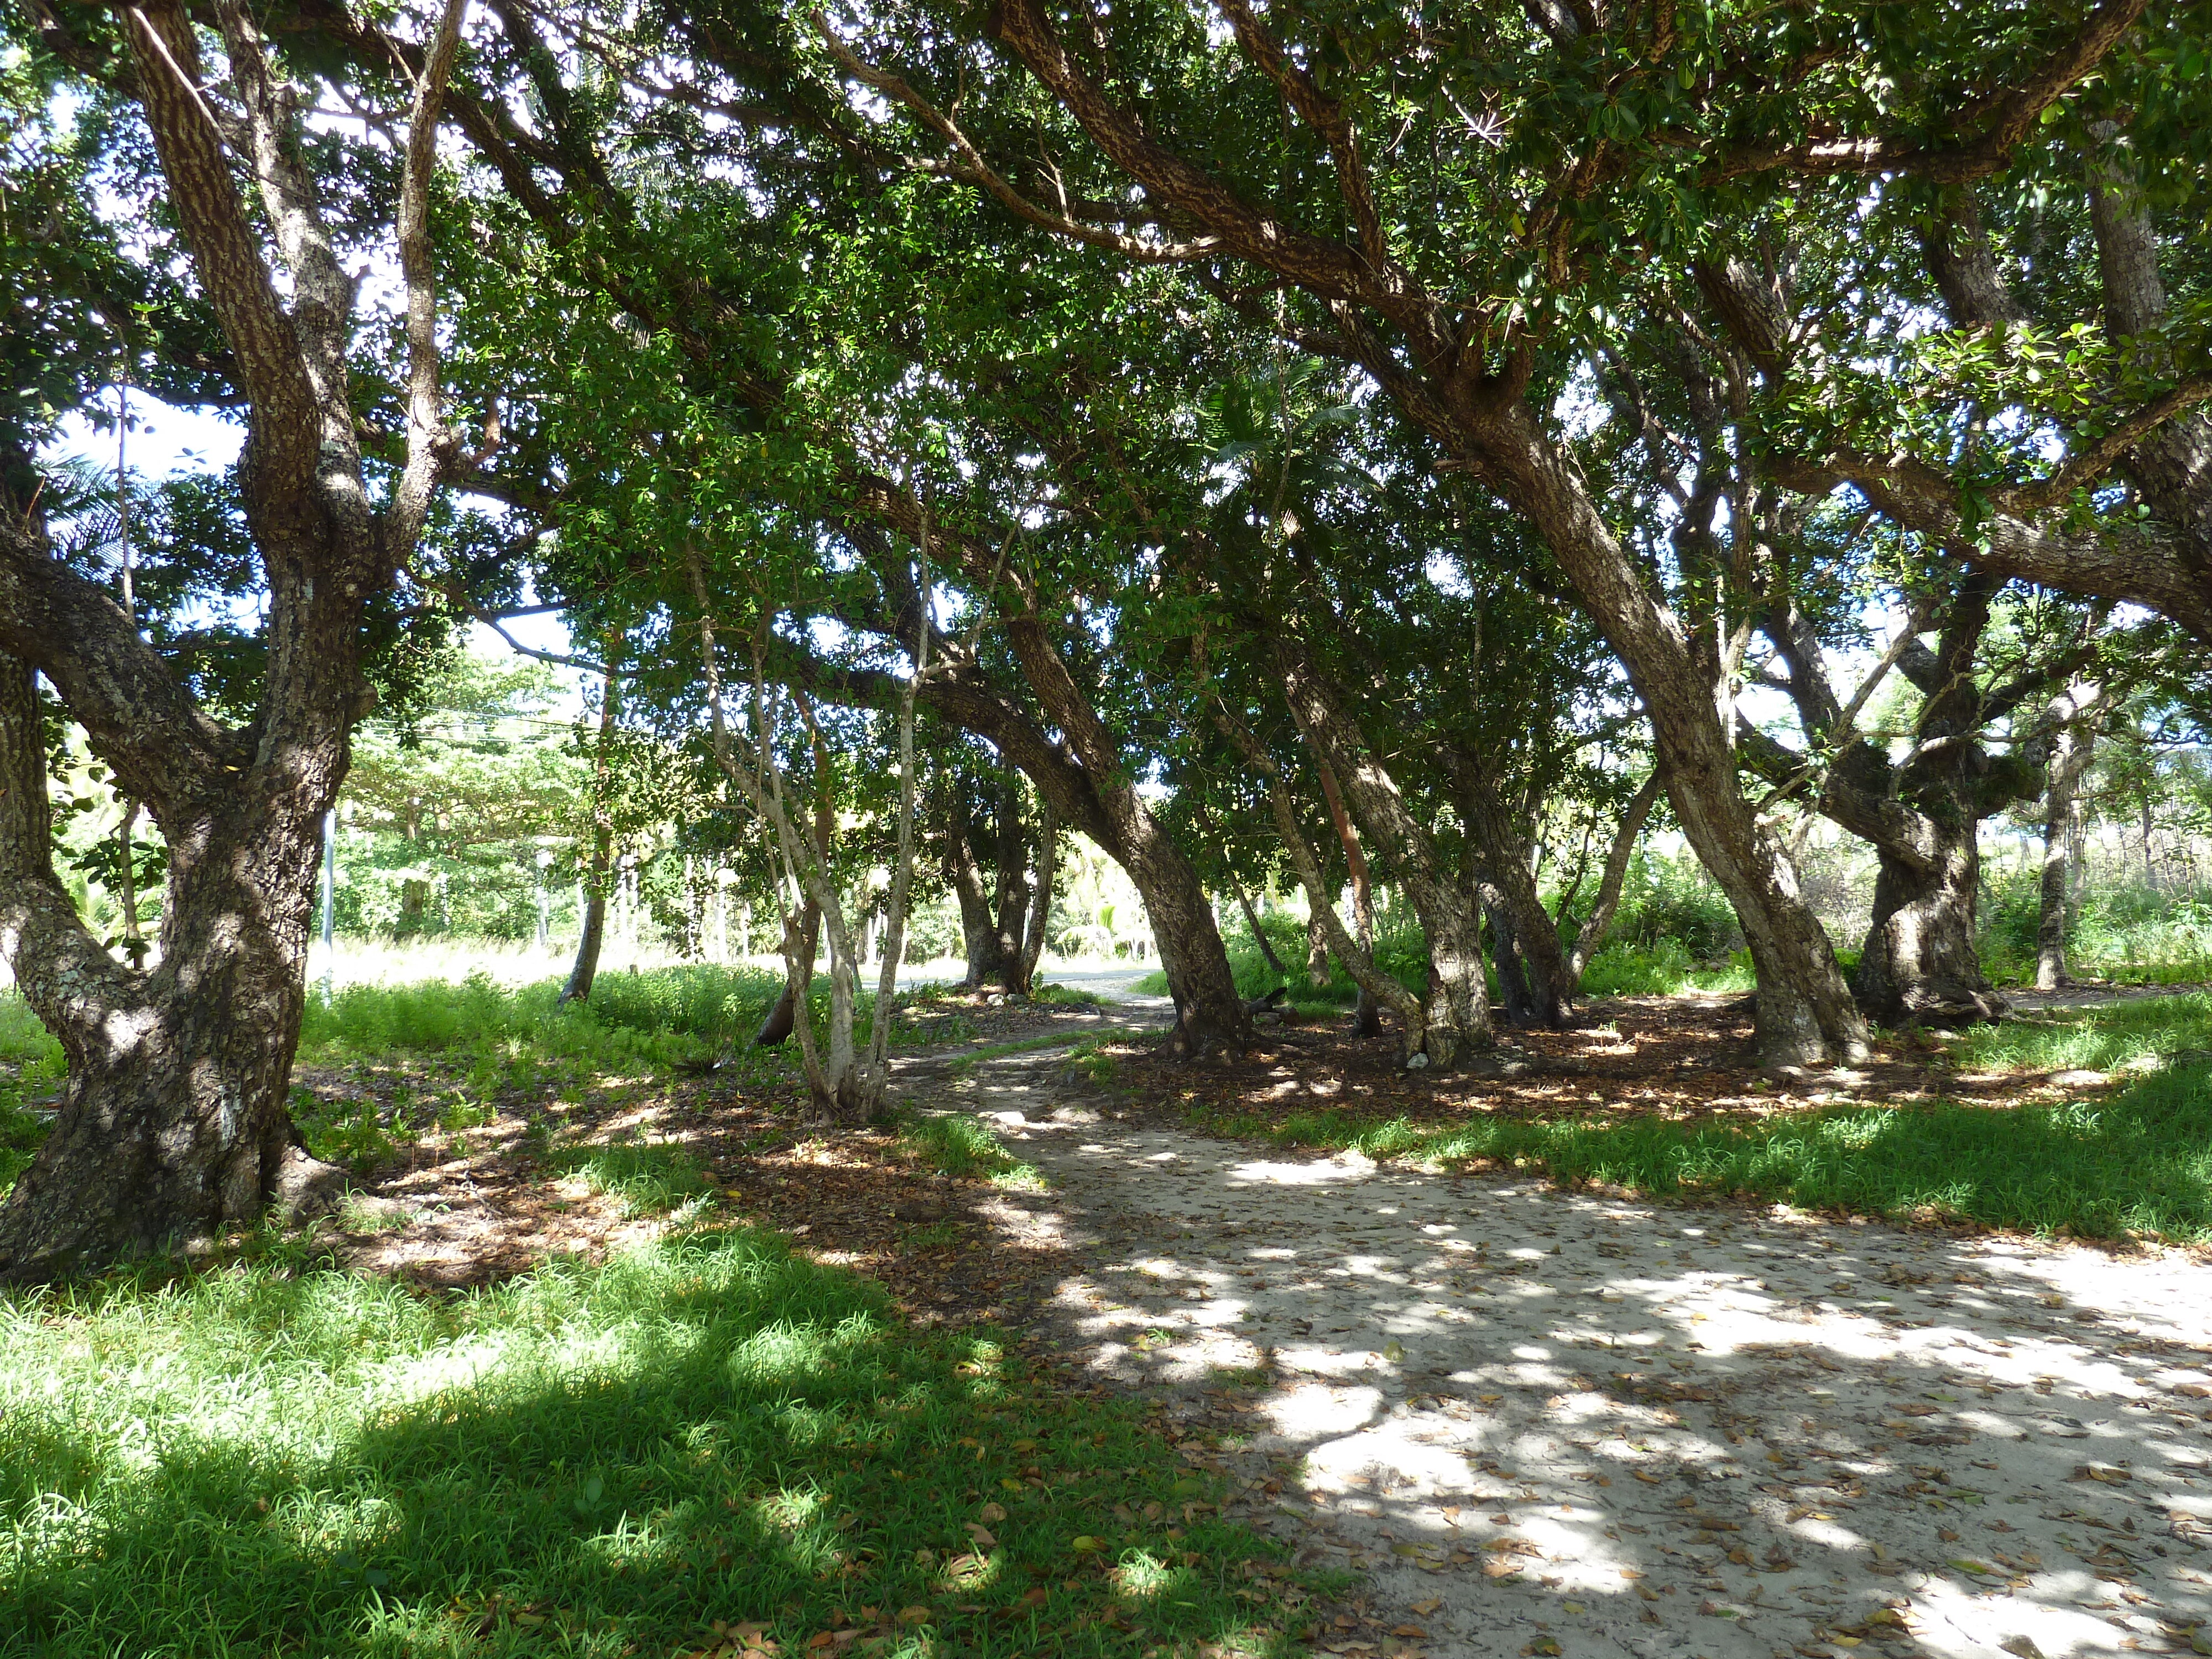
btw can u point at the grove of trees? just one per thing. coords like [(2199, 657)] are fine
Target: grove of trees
[(1322, 446)]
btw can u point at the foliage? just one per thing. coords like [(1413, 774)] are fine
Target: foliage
[(598, 1459), (2126, 932)]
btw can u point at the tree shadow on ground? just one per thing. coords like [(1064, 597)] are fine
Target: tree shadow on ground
[(1555, 1422), (703, 1441)]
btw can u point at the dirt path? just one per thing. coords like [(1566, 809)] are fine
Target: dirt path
[(1544, 1424)]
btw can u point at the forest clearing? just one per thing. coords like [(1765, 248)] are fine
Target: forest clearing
[(1162, 833)]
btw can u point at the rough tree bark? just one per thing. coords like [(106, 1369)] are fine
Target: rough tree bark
[(1539, 990), (173, 1122), (979, 929), (1921, 814), (1210, 1016)]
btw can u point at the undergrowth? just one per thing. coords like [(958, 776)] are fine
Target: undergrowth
[(627, 1457)]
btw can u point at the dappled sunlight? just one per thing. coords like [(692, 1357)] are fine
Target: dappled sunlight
[(1544, 1417)]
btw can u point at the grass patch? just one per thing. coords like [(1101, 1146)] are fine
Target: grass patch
[(592, 1460), (1089, 1059), (2102, 1038), (1068, 996), (645, 1180), (2139, 1163), (958, 1145)]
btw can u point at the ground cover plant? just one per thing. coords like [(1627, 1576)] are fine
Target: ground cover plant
[(705, 1443), (2093, 1123)]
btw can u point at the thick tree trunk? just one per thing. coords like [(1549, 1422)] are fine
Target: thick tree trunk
[(1805, 1012), (979, 932), (2070, 753), (173, 1122), (1521, 1004), (1921, 965), (1459, 998), (1542, 991), (1316, 950), (1012, 895)]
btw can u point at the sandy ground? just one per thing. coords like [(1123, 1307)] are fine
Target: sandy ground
[(1541, 1423)]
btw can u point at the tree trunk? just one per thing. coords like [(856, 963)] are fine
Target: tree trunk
[(1048, 864), (1317, 949), (1210, 1016), (173, 1122), (1366, 1018), (1459, 998), (1012, 894), (1921, 965), (1522, 1006), (1542, 991), (1590, 938), (2073, 744), (594, 933), (979, 932), (1258, 934)]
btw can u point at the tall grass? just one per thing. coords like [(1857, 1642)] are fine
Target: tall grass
[(592, 1459)]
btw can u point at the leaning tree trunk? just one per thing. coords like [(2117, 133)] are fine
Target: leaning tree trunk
[(1210, 1016), (1366, 1012), (1458, 996), (1522, 1005)]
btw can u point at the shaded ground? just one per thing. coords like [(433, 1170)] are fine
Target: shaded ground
[(1680, 1058), (1535, 1422), (1547, 1423)]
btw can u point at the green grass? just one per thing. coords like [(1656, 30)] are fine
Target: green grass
[(646, 1180), (272, 1457), (960, 1146), (1067, 996), (2138, 1162), (2102, 1038)]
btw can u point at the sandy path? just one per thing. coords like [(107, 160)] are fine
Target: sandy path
[(1546, 1423)]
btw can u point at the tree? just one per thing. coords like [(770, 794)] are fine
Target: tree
[(173, 1122)]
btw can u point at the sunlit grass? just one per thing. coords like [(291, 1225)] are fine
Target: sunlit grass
[(592, 1460), (2138, 1163), (960, 1146), (2100, 1038)]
